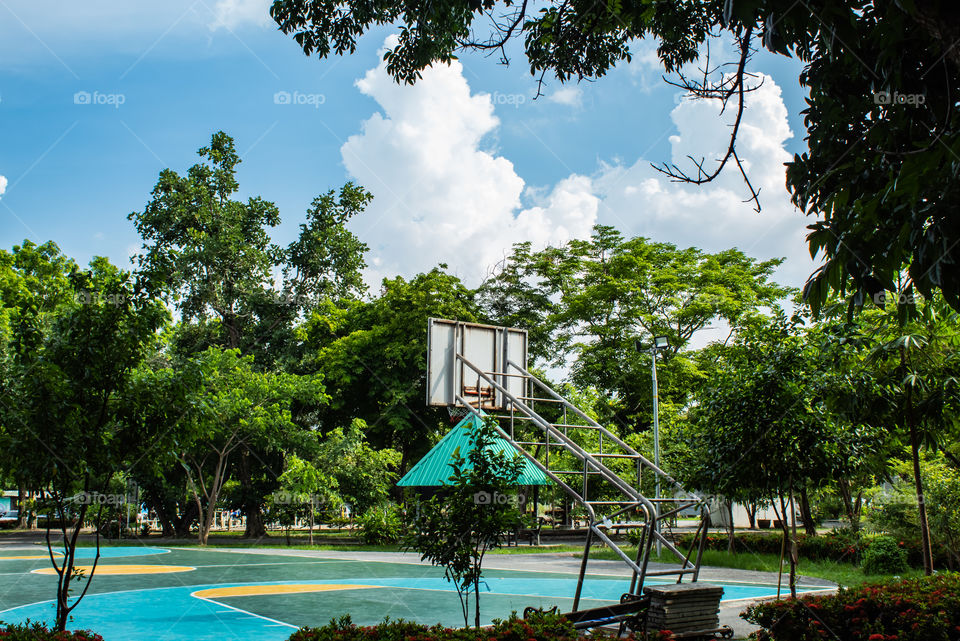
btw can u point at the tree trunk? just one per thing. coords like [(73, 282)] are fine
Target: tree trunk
[(809, 527), (731, 533), (794, 552), (921, 504), (751, 509), (182, 525), (255, 527), (23, 518), (917, 478), (843, 487)]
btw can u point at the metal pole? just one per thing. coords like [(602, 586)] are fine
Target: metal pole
[(656, 436)]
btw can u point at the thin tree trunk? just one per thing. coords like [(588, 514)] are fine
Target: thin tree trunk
[(794, 552), (255, 527), (23, 519), (731, 533), (809, 527), (917, 478), (921, 504)]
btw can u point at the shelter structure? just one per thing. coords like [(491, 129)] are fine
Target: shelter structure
[(436, 468)]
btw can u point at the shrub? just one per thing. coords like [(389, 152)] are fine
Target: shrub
[(884, 556), (539, 627), (38, 632), (381, 525), (926, 609)]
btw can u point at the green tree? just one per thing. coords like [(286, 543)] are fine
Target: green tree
[(916, 365), (34, 282), (457, 527), (605, 294), (362, 475), (880, 175), (212, 257), (756, 434), (303, 490), (236, 406), (64, 384), (372, 356)]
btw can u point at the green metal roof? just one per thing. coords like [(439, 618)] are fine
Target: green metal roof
[(435, 468)]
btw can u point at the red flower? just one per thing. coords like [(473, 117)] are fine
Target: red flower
[(876, 637)]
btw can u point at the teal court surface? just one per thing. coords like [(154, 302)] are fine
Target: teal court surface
[(199, 595)]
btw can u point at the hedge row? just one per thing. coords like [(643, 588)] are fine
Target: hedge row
[(926, 609), (544, 627), (836, 545), (39, 632)]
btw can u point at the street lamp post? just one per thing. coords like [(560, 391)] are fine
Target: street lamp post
[(659, 342)]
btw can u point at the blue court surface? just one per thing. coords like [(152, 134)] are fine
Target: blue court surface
[(200, 595)]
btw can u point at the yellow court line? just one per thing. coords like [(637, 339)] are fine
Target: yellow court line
[(124, 569), (285, 588)]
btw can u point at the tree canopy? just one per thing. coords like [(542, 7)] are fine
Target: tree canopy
[(883, 128)]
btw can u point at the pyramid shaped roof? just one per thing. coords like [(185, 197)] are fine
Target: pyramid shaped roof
[(435, 469)]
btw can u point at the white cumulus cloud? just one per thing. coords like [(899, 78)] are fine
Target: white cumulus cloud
[(439, 195), (235, 13), (570, 96), (643, 202), (3, 185)]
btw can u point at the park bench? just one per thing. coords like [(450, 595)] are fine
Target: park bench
[(688, 610)]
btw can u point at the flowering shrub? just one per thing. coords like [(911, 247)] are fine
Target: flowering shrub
[(38, 632), (539, 627), (926, 609)]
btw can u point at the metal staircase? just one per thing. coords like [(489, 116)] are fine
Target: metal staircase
[(594, 467)]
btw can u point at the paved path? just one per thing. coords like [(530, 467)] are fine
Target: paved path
[(569, 562)]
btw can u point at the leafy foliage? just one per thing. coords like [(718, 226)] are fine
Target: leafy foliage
[(457, 527), (381, 525), (884, 556)]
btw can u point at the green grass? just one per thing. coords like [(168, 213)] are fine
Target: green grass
[(845, 574)]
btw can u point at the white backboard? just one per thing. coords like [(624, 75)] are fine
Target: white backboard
[(489, 348)]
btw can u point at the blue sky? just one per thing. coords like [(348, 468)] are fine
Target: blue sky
[(97, 97)]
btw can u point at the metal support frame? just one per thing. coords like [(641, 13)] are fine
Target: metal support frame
[(557, 436)]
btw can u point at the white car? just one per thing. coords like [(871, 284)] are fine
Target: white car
[(9, 518)]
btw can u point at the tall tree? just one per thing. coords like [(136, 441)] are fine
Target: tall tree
[(65, 382), (757, 435), (212, 257), (605, 294), (34, 282), (917, 369)]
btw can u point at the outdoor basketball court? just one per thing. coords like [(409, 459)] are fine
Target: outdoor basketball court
[(190, 594)]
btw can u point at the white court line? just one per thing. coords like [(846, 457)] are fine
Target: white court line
[(252, 614)]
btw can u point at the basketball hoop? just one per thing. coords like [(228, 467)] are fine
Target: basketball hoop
[(457, 412)]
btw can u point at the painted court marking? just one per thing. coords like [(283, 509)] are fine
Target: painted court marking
[(124, 569), (285, 588)]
